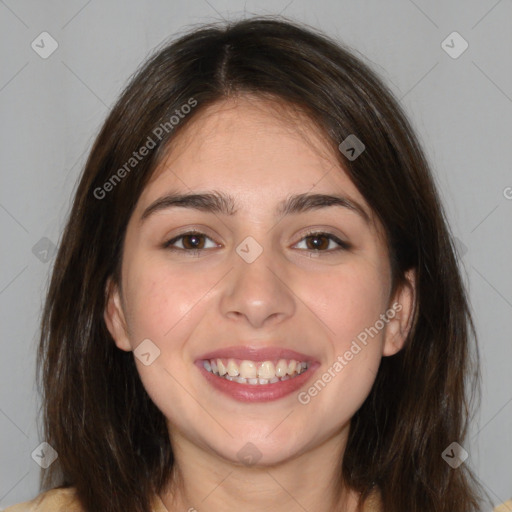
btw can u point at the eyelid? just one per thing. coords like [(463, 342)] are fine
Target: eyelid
[(188, 232)]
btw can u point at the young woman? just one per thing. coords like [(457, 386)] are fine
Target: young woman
[(256, 302)]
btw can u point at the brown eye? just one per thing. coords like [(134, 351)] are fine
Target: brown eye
[(194, 241), (320, 241), (191, 242)]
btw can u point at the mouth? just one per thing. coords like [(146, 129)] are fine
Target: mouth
[(256, 375)]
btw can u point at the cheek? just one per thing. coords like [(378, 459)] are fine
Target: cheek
[(158, 300), (164, 307), (349, 301)]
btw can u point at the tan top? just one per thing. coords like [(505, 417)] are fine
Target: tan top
[(505, 507), (64, 500)]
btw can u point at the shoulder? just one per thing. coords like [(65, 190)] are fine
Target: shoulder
[(374, 503), (64, 500), (505, 507), (55, 500)]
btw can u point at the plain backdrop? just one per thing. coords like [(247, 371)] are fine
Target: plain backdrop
[(52, 108)]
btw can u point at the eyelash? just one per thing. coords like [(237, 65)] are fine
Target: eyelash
[(343, 246)]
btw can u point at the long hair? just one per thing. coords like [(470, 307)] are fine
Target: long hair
[(112, 440)]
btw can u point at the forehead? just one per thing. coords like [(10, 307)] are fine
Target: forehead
[(238, 130), (256, 150)]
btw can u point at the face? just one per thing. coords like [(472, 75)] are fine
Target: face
[(254, 288)]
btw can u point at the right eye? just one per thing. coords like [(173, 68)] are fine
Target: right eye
[(191, 241)]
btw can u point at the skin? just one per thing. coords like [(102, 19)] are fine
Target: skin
[(189, 305)]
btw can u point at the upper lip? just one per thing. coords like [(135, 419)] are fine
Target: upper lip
[(256, 354)]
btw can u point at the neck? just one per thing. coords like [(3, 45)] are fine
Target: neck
[(310, 481)]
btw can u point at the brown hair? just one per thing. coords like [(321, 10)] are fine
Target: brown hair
[(97, 414)]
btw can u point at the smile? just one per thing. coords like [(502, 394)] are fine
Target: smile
[(249, 374), (255, 373)]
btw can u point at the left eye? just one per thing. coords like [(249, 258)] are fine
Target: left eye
[(318, 244)]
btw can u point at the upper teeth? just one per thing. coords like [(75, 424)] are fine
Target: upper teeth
[(258, 370)]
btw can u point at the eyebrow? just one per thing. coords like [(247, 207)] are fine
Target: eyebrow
[(219, 202)]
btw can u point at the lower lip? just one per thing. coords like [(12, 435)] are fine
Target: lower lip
[(257, 392)]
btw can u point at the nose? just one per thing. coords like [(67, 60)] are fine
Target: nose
[(258, 292)]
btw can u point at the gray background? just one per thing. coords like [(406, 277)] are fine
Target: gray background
[(52, 108)]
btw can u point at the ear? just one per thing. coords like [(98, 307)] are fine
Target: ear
[(115, 318), (400, 314)]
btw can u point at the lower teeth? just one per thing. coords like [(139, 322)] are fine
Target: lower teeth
[(257, 381)]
